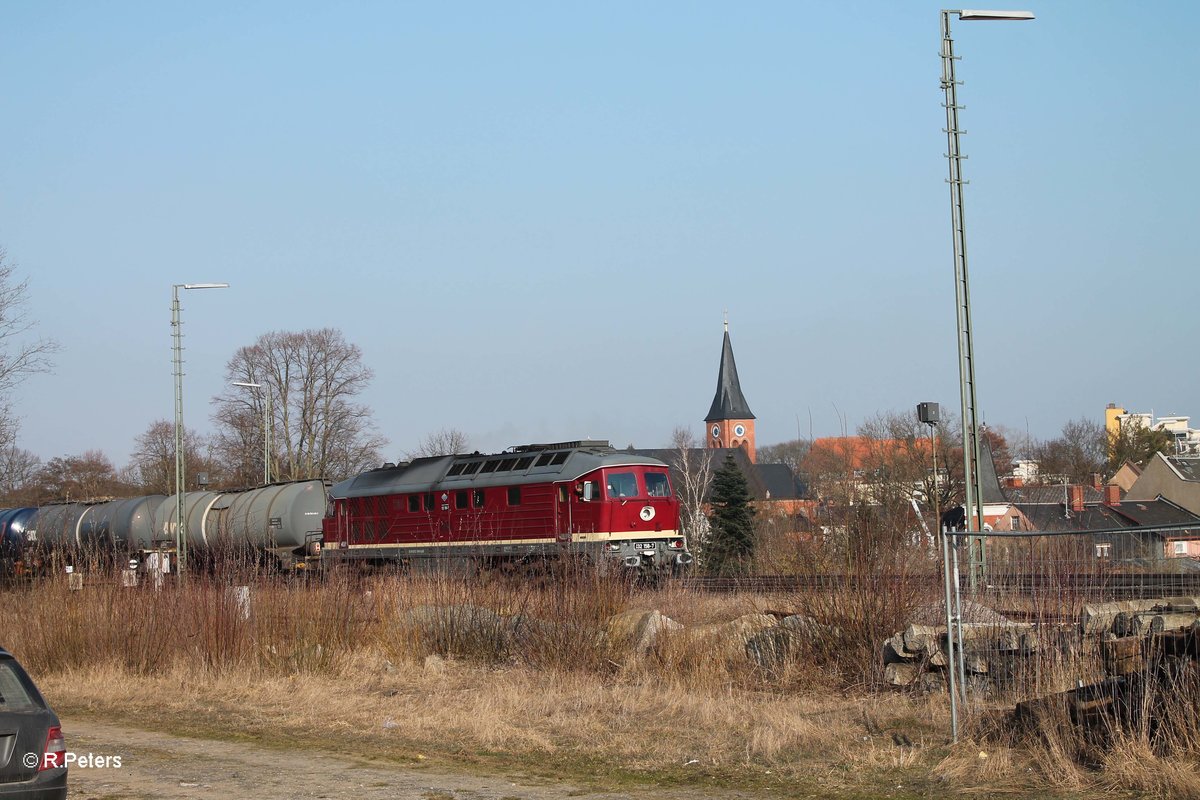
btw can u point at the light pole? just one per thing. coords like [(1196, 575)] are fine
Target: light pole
[(180, 485), (973, 501), (267, 419)]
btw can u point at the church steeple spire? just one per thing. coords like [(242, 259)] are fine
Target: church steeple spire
[(730, 422)]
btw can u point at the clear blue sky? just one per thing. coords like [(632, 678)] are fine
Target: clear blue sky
[(530, 216)]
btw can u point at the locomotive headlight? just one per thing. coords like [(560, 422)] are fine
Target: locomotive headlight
[(675, 544), (612, 546)]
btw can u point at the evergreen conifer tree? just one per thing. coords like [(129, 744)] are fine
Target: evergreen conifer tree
[(731, 541)]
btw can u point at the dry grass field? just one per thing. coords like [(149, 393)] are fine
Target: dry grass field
[(531, 676)]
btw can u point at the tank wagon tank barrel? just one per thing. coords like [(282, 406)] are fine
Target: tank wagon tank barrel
[(280, 518)]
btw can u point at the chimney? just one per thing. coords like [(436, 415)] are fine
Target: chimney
[(1112, 494), (1077, 498), (1016, 482), (1097, 482)]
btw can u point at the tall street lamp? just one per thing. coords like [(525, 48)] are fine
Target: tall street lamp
[(267, 419), (973, 502), (180, 484)]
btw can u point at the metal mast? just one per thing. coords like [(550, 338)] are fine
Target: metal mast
[(973, 502)]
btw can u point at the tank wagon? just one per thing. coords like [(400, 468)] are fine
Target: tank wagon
[(280, 520), (531, 501)]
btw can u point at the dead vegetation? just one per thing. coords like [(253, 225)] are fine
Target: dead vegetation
[(537, 674)]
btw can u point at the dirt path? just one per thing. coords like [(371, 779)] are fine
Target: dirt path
[(156, 765)]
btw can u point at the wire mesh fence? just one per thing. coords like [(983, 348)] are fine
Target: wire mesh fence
[(1079, 617)]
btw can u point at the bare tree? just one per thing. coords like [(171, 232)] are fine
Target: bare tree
[(318, 429), (152, 464), (88, 476), (20, 356), (692, 470), (1080, 452), (444, 442), (18, 469), (791, 453)]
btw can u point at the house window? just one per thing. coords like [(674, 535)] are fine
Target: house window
[(1181, 548), (1104, 550), (1014, 523)]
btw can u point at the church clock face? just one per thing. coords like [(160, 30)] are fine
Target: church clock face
[(739, 430), (716, 431)]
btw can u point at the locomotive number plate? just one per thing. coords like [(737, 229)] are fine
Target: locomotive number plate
[(644, 545)]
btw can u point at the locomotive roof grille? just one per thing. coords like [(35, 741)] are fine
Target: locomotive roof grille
[(590, 444)]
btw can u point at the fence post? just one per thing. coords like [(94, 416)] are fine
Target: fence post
[(950, 636)]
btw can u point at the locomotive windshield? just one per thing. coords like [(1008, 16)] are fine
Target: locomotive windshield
[(657, 485), (626, 484), (622, 484)]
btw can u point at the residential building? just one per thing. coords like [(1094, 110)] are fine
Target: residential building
[(1175, 478)]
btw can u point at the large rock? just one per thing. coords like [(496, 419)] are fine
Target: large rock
[(901, 674), (728, 639), (773, 648), (638, 629)]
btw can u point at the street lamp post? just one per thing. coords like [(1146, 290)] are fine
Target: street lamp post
[(180, 484), (973, 501), (267, 419)]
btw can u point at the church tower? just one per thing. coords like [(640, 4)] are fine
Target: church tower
[(729, 422)]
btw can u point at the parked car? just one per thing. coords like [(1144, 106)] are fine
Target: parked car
[(33, 754)]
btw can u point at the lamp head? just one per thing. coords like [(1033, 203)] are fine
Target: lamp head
[(981, 14)]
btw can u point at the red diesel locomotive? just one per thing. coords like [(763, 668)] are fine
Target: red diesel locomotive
[(526, 503)]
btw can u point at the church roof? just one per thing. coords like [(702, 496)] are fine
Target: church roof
[(992, 493), (729, 402)]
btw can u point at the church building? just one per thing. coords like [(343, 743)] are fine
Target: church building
[(729, 423)]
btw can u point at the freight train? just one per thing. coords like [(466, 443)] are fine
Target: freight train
[(525, 504)]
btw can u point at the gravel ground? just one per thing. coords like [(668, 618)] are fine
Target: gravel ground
[(157, 765)]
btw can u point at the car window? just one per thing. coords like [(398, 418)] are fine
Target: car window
[(14, 691)]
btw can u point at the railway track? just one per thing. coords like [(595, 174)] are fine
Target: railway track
[(1110, 586)]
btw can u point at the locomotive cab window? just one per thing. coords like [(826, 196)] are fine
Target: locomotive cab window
[(478, 498), (460, 500), (657, 484), (621, 484), (430, 503), (514, 496), (414, 503)]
